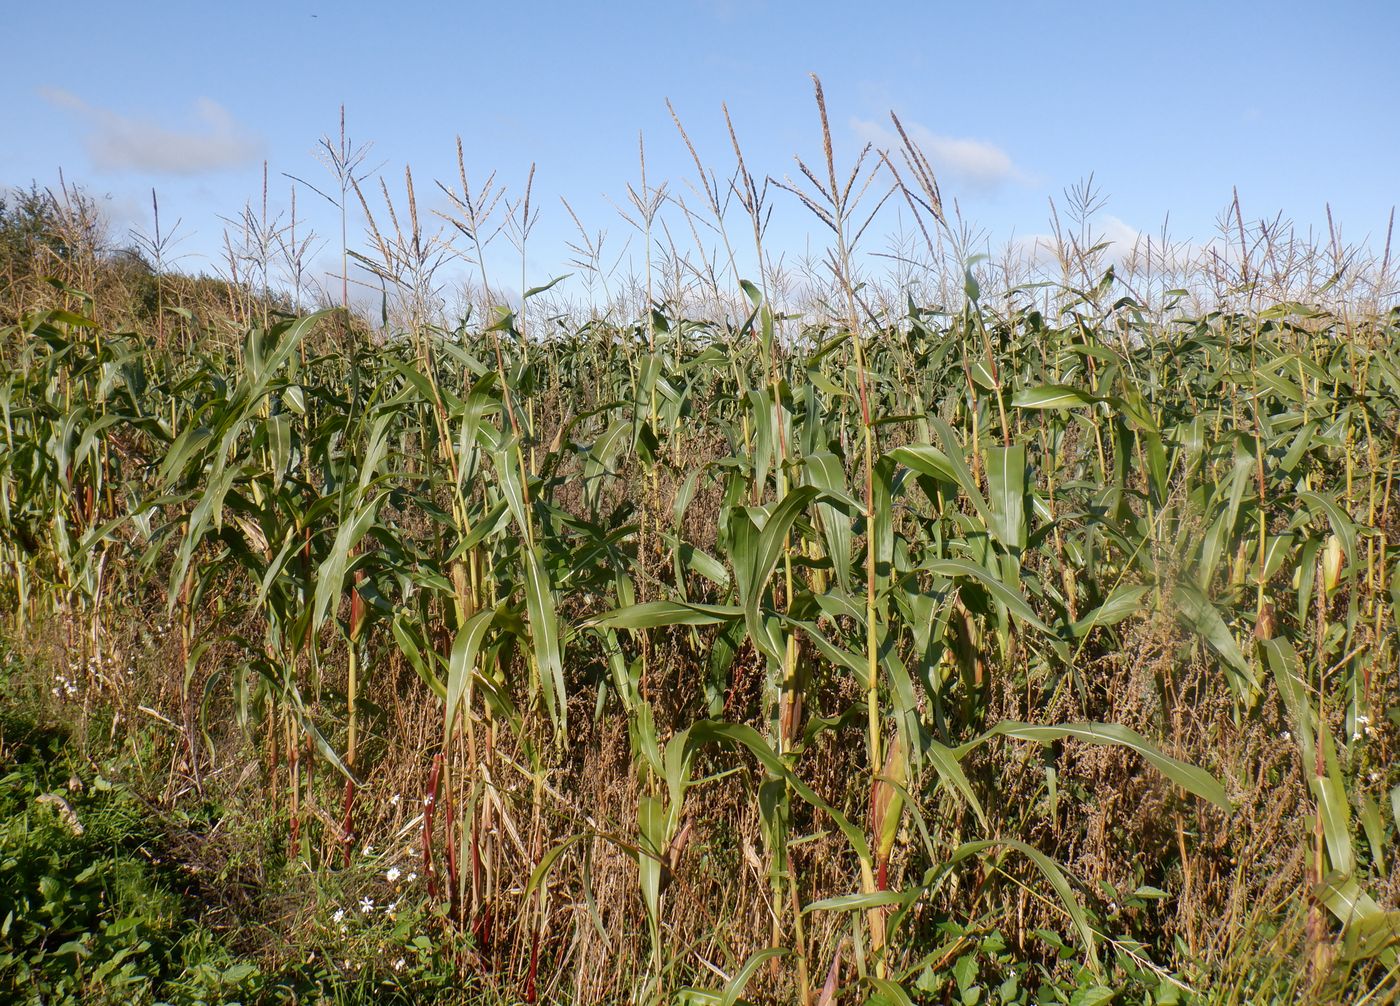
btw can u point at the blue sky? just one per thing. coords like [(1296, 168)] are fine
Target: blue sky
[(1169, 105)]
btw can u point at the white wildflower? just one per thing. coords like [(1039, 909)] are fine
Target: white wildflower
[(366, 905), (392, 874), (339, 914)]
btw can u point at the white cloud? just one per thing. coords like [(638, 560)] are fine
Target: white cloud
[(977, 164), (1121, 237), (118, 142)]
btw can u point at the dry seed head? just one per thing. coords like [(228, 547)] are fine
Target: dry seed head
[(826, 134)]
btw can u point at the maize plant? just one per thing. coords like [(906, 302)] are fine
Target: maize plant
[(771, 655)]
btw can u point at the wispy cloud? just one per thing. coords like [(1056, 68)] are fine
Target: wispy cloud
[(1121, 235), (973, 163), (1122, 239), (118, 142)]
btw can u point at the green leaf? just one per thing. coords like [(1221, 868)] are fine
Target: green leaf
[(1054, 875), (1014, 600), (1006, 489), (652, 614), (1203, 618), (735, 988), (1095, 995), (747, 737), (860, 902), (1052, 396), (824, 471), (545, 639), (1342, 525), (462, 664), (1196, 781), (546, 864), (948, 765), (887, 992), (1123, 601), (536, 290)]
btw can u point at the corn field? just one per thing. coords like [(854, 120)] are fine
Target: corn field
[(765, 657)]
